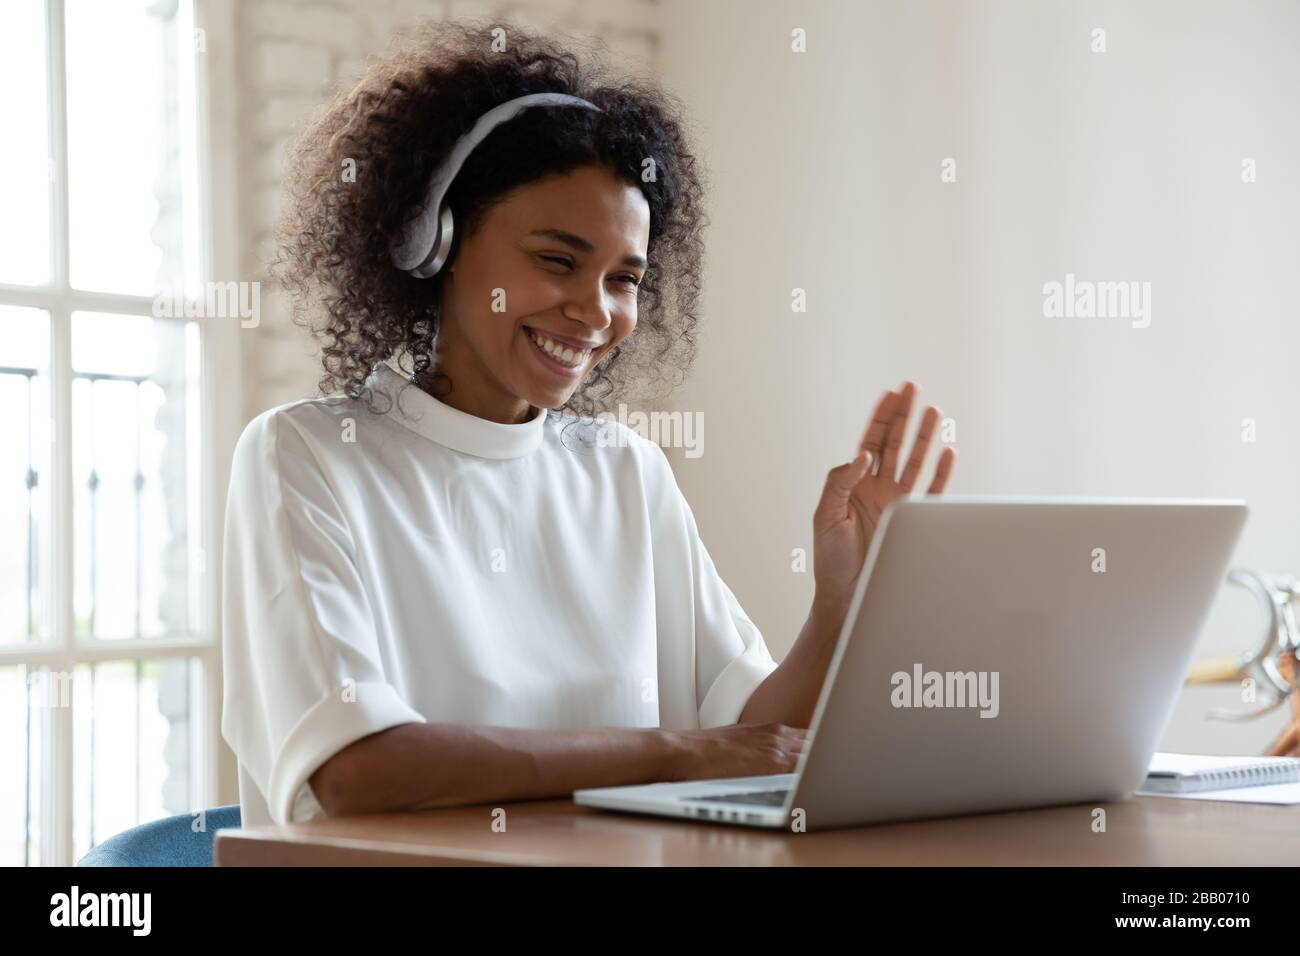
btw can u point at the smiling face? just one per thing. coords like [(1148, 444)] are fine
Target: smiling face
[(553, 266)]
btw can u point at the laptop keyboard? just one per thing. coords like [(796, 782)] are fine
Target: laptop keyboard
[(765, 798)]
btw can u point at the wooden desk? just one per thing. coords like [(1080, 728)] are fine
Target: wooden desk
[(1144, 831)]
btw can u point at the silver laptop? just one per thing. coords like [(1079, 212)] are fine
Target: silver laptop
[(999, 653)]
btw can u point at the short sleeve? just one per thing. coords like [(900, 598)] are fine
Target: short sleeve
[(729, 656), (302, 671)]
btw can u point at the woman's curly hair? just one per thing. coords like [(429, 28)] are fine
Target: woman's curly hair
[(400, 121)]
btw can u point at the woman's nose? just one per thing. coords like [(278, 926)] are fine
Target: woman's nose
[(591, 307)]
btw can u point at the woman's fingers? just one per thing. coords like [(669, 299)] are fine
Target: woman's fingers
[(884, 440), (873, 440), (942, 470), (920, 447), (840, 483), (897, 427)]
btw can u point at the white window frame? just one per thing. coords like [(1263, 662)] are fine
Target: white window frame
[(220, 416)]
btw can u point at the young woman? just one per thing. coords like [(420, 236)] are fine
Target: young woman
[(446, 582)]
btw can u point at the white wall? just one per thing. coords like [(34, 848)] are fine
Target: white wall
[(1122, 165)]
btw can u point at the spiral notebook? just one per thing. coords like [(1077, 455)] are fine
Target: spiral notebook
[(1177, 774)]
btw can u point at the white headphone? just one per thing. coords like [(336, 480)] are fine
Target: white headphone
[(425, 243)]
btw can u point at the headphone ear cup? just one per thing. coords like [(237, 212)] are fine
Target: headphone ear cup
[(443, 240), (448, 238)]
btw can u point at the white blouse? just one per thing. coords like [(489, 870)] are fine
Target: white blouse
[(430, 565)]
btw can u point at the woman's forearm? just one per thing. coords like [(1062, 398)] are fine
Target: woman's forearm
[(789, 694), (421, 766)]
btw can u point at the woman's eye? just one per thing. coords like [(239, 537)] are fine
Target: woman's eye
[(631, 280)]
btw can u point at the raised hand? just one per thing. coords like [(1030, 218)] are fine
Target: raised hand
[(857, 493)]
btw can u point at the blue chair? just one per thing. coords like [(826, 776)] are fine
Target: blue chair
[(167, 842)]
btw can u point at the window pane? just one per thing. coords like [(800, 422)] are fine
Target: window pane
[(25, 185), (130, 68), (136, 476), (25, 477), (23, 706), (134, 759)]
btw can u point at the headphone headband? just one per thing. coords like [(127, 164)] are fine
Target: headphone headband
[(425, 241)]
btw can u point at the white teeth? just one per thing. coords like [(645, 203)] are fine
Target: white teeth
[(561, 353)]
